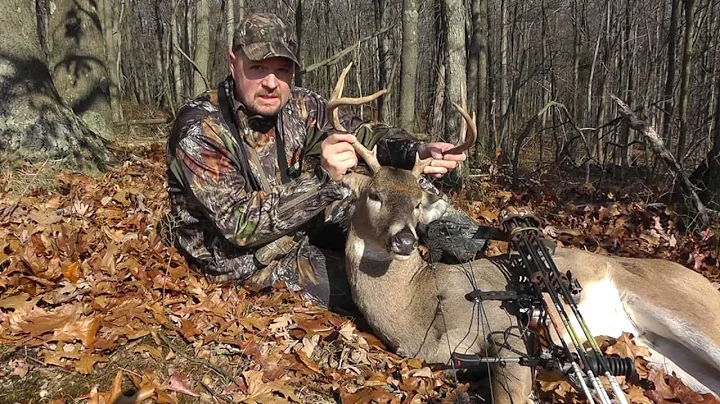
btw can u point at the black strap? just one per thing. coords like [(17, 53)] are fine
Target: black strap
[(229, 117)]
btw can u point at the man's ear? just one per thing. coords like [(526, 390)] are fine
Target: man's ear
[(356, 182), (432, 208), (232, 58)]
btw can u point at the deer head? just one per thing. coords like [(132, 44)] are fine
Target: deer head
[(391, 202)]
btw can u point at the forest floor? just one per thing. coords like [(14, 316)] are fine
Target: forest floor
[(96, 308)]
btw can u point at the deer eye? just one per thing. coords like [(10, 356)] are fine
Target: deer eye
[(374, 196), (419, 205)]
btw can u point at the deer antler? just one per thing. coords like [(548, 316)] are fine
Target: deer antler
[(469, 124), (337, 101), (466, 142)]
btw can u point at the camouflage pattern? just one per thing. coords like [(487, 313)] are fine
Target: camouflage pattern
[(232, 231), (263, 36)]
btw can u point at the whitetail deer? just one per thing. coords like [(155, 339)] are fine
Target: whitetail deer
[(423, 312)]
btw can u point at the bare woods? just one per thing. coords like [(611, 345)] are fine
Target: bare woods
[(539, 74)]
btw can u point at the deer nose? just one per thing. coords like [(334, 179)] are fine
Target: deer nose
[(404, 242)]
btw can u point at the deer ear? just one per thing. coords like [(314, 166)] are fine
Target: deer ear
[(356, 182), (433, 207)]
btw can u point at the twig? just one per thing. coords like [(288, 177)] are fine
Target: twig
[(215, 395), (337, 56), (193, 359), (657, 145), (194, 65)]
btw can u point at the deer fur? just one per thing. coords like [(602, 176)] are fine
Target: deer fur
[(672, 309), (421, 311)]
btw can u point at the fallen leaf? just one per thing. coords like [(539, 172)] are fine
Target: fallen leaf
[(176, 383)]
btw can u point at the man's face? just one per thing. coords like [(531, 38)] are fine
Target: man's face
[(262, 86)]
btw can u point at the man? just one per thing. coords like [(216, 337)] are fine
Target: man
[(252, 168)]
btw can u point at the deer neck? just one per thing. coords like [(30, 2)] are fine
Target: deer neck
[(371, 267)]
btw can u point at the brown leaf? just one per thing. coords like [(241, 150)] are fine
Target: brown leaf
[(116, 389), (153, 351), (176, 383), (84, 330), (14, 301), (308, 362), (188, 329), (86, 363), (635, 394), (366, 395)]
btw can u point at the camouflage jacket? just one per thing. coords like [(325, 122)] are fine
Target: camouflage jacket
[(231, 212)]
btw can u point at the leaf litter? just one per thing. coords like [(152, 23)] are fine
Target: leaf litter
[(96, 308)]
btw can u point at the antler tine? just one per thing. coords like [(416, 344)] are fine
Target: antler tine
[(420, 165), (469, 140), (337, 101)]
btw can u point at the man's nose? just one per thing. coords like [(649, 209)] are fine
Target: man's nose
[(270, 81)]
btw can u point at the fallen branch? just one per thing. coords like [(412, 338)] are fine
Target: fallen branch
[(657, 145)]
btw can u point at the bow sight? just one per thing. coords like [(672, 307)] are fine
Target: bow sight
[(544, 294)]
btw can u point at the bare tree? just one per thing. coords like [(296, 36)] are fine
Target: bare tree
[(408, 77), (478, 71), (112, 16), (669, 105), (455, 73), (689, 9), (202, 46), (229, 22), (78, 61), (35, 122)]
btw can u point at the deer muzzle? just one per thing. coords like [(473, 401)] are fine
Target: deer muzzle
[(403, 242)]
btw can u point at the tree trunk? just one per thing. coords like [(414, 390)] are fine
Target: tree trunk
[(408, 77), (478, 87), (112, 18), (176, 57), (299, 36), (229, 23), (504, 49), (162, 99), (240, 10), (689, 6), (669, 105), (78, 61), (202, 46), (575, 107), (455, 73), (384, 57), (35, 122), (438, 102)]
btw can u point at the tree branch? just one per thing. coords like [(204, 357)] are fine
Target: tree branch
[(334, 58), (657, 145), (194, 65)]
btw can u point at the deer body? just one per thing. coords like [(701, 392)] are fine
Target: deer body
[(672, 309)]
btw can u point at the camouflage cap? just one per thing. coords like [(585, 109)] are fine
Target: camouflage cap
[(264, 35)]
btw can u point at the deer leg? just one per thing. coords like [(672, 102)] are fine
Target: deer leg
[(511, 382)]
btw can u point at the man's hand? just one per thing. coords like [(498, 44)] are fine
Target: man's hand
[(441, 163), (338, 155)]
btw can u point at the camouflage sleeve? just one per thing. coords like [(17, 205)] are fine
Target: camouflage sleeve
[(396, 146), (247, 219)]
